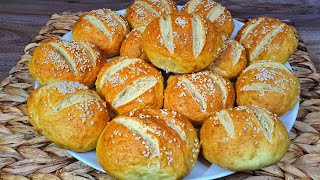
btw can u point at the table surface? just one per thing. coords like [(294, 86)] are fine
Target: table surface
[(21, 20)]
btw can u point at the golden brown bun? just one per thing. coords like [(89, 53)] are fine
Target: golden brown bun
[(102, 27), (68, 114), (181, 43), (142, 12), (244, 138), (231, 60), (199, 95), (132, 47), (267, 38), (130, 83), (270, 85), (214, 14), (57, 60), (148, 144)]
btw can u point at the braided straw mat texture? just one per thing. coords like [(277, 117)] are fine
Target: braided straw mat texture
[(24, 154)]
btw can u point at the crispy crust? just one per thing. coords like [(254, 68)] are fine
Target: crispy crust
[(192, 48), (142, 12), (106, 22), (57, 60), (267, 39), (239, 142), (128, 76), (270, 85), (198, 96), (132, 46), (231, 60), (69, 114), (148, 143), (222, 21)]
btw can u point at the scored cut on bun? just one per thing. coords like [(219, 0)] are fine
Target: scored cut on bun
[(142, 12), (213, 13), (181, 43), (68, 114), (148, 144), (198, 96), (244, 138), (132, 46), (58, 60), (231, 60), (130, 83), (267, 38), (102, 27), (270, 85)]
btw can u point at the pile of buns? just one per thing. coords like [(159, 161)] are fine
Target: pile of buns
[(140, 122)]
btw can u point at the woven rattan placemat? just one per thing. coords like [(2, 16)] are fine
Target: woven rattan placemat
[(24, 154)]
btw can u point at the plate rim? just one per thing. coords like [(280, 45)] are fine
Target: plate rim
[(225, 173)]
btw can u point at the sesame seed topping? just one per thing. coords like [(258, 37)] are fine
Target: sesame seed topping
[(66, 87), (181, 22)]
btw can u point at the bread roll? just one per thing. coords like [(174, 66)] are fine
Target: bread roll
[(132, 47), (57, 60), (270, 85), (148, 144), (214, 14), (181, 43), (244, 138), (199, 95), (231, 60), (102, 27), (68, 114), (130, 83), (142, 12), (267, 39)]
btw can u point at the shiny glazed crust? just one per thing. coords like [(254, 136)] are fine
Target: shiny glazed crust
[(57, 60), (215, 15), (148, 144), (142, 12), (130, 83), (181, 43), (68, 114), (270, 85), (104, 28), (199, 95), (132, 46), (244, 138), (231, 60), (267, 38)]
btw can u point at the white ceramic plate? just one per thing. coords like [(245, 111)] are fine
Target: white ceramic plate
[(203, 169)]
